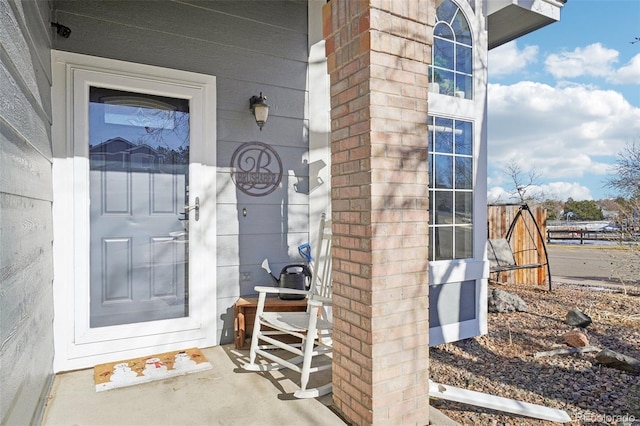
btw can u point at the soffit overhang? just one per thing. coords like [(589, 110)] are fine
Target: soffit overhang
[(510, 19)]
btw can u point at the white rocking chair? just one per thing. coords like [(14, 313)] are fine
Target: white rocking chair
[(312, 327)]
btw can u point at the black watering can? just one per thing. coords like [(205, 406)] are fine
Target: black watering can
[(294, 276)]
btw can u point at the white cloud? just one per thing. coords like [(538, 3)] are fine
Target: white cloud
[(566, 190), (508, 59), (593, 60), (549, 191), (628, 74), (564, 133), (498, 194)]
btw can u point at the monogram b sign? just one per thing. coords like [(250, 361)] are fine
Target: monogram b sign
[(256, 169)]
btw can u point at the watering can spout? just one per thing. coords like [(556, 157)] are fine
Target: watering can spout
[(265, 266)]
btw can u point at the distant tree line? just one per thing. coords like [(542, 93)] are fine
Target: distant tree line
[(583, 210)]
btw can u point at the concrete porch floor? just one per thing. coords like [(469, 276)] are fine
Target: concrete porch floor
[(224, 395)]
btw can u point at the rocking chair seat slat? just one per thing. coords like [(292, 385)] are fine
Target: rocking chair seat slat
[(293, 321)]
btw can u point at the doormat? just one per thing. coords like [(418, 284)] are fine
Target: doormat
[(135, 371)]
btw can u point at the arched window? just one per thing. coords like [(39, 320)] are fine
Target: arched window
[(457, 173), (452, 141), (451, 72)]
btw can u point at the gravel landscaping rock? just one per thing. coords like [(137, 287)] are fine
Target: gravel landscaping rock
[(502, 362), (617, 360), (502, 301), (577, 318), (576, 339)]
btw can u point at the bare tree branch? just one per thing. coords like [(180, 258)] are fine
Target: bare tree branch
[(522, 184), (626, 172)]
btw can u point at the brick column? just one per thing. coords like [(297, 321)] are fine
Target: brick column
[(377, 54)]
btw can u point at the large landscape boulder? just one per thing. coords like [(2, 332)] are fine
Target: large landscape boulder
[(577, 318), (501, 301), (618, 361)]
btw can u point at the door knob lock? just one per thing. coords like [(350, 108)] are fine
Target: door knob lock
[(195, 207)]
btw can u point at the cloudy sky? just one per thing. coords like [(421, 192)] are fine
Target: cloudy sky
[(565, 100)]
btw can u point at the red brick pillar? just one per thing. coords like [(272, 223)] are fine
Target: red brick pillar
[(377, 53)]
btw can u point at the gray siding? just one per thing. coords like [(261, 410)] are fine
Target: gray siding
[(26, 271), (251, 47)]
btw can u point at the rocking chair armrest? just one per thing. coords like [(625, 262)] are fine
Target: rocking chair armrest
[(279, 290), (321, 299), (315, 303)]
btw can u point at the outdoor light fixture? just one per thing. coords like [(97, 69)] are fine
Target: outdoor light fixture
[(260, 109)]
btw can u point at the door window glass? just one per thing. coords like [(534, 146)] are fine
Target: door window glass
[(139, 180)]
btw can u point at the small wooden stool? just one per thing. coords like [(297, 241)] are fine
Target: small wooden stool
[(244, 314)]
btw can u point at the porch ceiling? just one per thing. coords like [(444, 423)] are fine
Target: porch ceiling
[(510, 19)]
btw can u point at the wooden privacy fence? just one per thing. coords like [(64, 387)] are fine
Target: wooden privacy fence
[(527, 245)]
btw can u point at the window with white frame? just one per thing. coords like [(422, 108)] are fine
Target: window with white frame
[(457, 173), (451, 188), (451, 140), (451, 72)]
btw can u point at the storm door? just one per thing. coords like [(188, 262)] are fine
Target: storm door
[(134, 210), (139, 228)]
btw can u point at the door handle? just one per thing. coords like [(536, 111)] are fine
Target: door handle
[(195, 207)]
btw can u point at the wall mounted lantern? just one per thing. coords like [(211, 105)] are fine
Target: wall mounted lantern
[(260, 109)]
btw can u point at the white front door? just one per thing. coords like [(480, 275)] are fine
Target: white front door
[(134, 206)]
